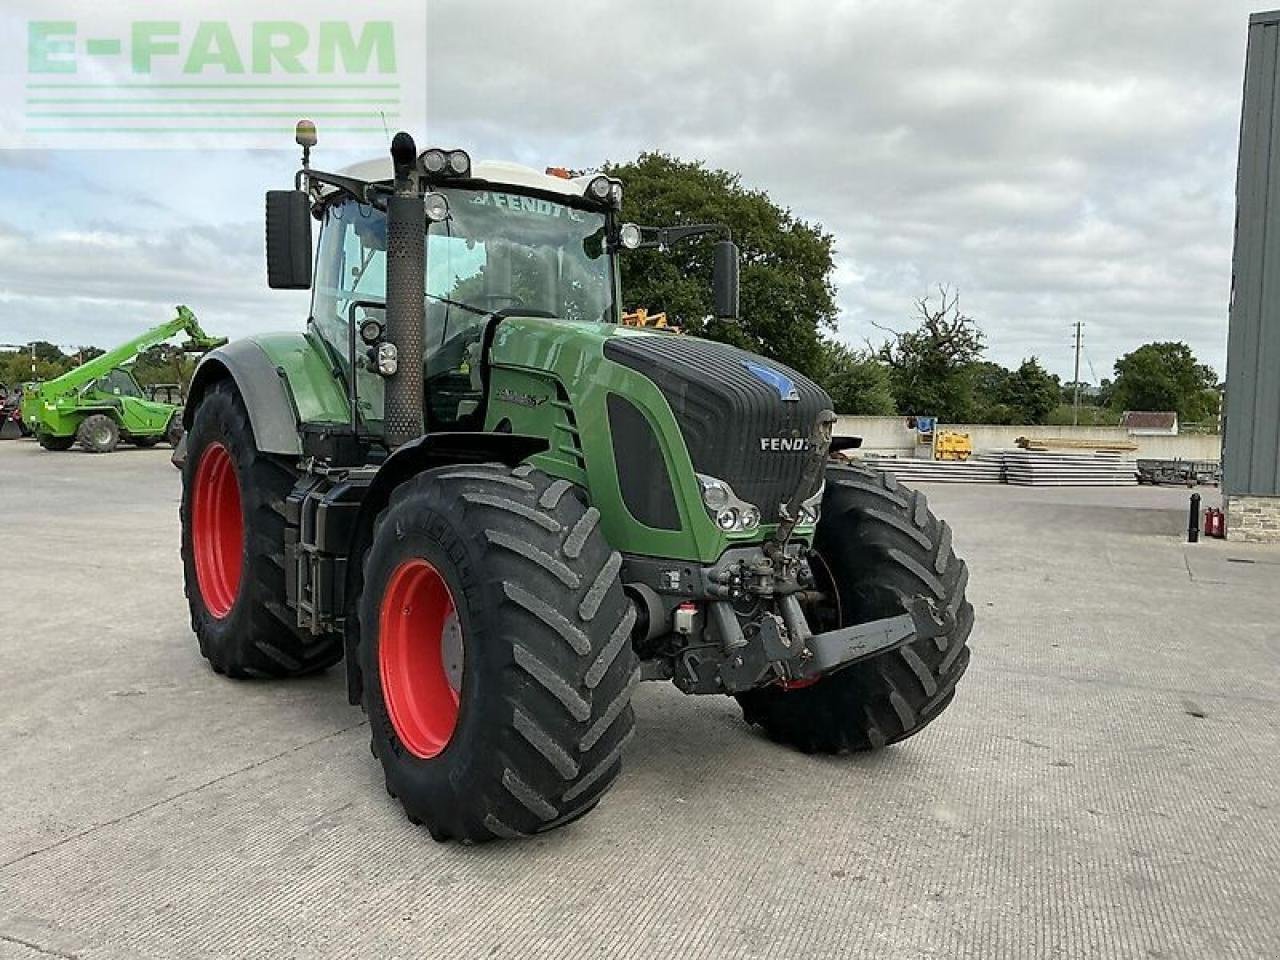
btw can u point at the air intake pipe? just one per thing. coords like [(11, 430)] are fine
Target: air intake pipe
[(406, 253)]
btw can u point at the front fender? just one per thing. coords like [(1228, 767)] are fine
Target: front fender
[(263, 387)]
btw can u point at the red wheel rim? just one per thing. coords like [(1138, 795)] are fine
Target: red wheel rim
[(217, 530), (420, 657)]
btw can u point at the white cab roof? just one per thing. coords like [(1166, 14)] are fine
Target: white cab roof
[(492, 171)]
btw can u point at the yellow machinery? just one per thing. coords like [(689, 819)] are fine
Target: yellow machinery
[(951, 445)]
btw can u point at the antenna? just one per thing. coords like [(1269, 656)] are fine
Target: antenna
[(385, 131)]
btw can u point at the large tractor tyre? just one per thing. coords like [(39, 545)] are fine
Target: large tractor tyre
[(233, 534), (98, 433), (495, 649), (877, 542), (49, 442)]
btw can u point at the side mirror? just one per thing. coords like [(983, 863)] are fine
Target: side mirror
[(724, 280), (288, 240)]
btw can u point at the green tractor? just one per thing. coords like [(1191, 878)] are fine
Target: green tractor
[(100, 403), (504, 509)]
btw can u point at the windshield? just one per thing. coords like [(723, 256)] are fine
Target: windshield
[(117, 383), (501, 250), (496, 251)]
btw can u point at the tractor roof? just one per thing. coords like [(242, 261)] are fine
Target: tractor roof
[(498, 173)]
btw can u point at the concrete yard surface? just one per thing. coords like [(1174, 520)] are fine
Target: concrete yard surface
[(1104, 786)]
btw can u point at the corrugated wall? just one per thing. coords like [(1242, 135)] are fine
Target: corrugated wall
[(1251, 443)]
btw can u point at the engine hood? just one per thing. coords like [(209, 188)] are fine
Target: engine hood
[(745, 419)]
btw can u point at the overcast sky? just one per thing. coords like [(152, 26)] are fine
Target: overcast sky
[(1056, 160)]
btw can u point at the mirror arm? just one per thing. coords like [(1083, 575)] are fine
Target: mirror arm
[(669, 236), (360, 190)]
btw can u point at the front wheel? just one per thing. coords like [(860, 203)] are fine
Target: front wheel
[(98, 433), (495, 650), (233, 553), (877, 544)]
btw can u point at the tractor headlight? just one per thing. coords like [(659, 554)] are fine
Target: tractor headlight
[(730, 512), (715, 493), (811, 509)]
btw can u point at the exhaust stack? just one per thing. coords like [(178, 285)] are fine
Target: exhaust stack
[(406, 252)]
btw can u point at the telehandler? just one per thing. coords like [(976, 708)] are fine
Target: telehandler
[(504, 508), (99, 403)]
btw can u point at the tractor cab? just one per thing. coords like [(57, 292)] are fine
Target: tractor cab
[(119, 382), (511, 241)]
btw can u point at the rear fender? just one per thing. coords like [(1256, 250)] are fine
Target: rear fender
[(426, 453)]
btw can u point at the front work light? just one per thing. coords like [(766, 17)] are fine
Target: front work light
[(629, 236), (433, 162), (599, 188), (459, 163), (436, 206), (445, 163)]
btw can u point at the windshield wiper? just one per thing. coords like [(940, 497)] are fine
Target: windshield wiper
[(478, 311)]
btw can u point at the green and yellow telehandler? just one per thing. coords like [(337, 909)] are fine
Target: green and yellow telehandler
[(504, 508), (100, 403)]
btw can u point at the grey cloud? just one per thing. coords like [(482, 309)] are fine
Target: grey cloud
[(1058, 160)]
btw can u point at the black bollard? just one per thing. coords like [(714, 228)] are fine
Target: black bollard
[(1193, 520)]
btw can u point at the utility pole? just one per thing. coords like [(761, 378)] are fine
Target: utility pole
[(1075, 382)]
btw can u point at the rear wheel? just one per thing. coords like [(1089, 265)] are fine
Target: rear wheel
[(877, 543), (495, 651), (233, 549), (98, 433), (50, 442)]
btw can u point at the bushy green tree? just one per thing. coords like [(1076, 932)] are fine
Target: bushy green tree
[(50, 362), (857, 382), (787, 301), (1031, 393), (1165, 376)]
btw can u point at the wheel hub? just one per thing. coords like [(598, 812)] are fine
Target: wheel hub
[(421, 656), (217, 530)]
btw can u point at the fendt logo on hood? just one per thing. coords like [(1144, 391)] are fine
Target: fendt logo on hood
[(785, 386), (784, 443)]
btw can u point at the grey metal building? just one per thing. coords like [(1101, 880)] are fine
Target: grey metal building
[(1251, 440)]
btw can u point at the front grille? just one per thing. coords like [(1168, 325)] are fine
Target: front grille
[(725, 412)]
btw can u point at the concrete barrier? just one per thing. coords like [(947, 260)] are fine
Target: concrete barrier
[(891, 435)]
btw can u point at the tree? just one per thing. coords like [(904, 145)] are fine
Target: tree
[(1166, 376), (928, 366), (50, 362), (1030, 392), (987, 387), (787, 298), (858, 382)]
